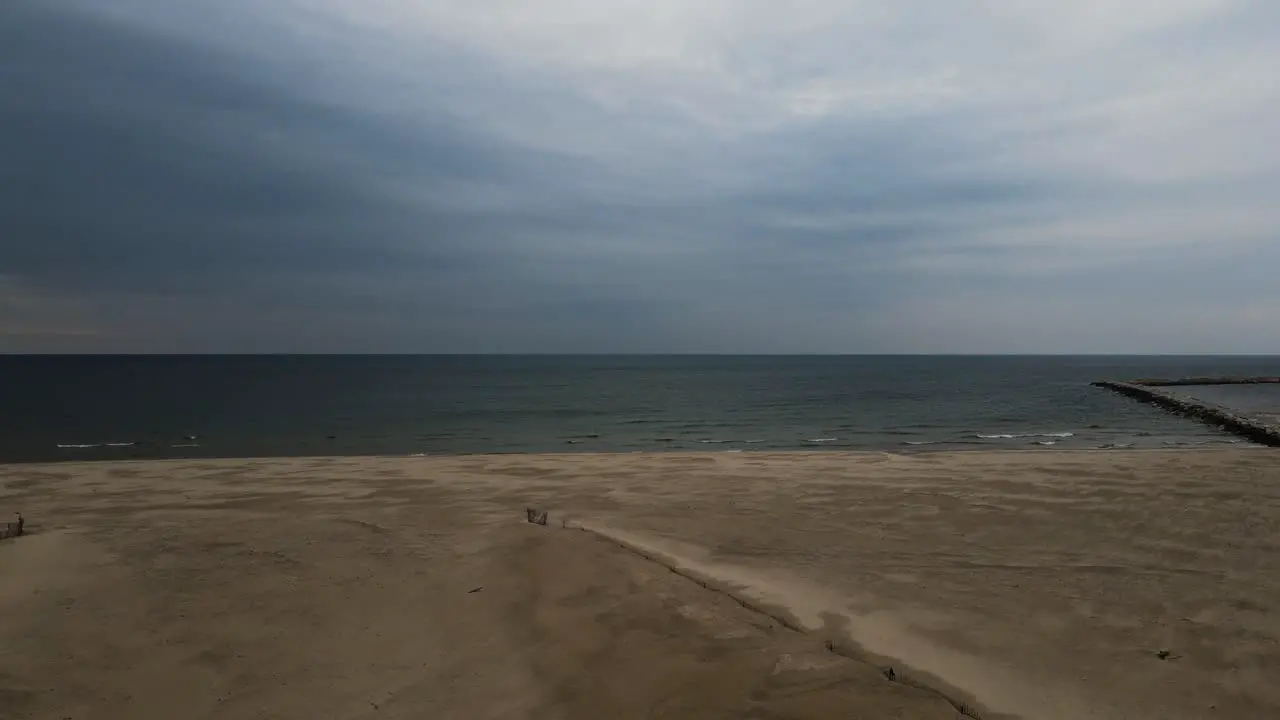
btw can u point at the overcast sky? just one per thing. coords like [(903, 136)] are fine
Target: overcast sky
[(640, 176)]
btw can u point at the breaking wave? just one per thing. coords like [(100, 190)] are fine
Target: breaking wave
[(1007, 436)]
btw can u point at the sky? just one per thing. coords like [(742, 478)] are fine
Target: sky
[(619, 176)]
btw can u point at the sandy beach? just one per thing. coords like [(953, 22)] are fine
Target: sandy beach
[(1040, 585)]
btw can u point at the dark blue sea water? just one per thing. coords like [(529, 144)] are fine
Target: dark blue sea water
[(83, 407)]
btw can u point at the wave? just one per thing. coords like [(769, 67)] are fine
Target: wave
[(186, 445), (83, 446), (753, 442), (1008, 436), (1190, 443), (1046, 442), (715, 442), (70, 446), (822, 440), (922, 442)]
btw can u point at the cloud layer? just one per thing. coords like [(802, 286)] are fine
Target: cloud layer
[(447, 176)]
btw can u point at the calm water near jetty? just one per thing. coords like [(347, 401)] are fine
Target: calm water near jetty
[(98, 407)]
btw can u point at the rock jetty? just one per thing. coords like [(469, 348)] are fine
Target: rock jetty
[(1150, 391)]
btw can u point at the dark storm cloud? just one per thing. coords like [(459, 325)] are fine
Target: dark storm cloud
[(136, 163)]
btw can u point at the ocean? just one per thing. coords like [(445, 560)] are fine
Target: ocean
[(117, 407)]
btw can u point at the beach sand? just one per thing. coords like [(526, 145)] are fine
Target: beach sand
[(1022, 584)]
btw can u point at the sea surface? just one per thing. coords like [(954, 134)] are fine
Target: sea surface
[(114, 407)]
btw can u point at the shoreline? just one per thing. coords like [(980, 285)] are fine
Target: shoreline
[(1029, 450)]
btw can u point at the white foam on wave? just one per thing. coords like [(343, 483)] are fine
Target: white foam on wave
[(823, 440), (921, 442), (83, 446), (1198, 443), (1011, 436), (1046, 442), (714, 442), (753, 442), (73, 446)]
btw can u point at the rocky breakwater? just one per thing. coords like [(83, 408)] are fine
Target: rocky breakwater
[(1164, 382), (1150, 391)]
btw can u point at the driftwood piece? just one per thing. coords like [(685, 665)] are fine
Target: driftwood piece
[(537, 517), (12, 529)]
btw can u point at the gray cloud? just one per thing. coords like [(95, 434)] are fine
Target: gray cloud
[(417, 178), (137, 161)]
